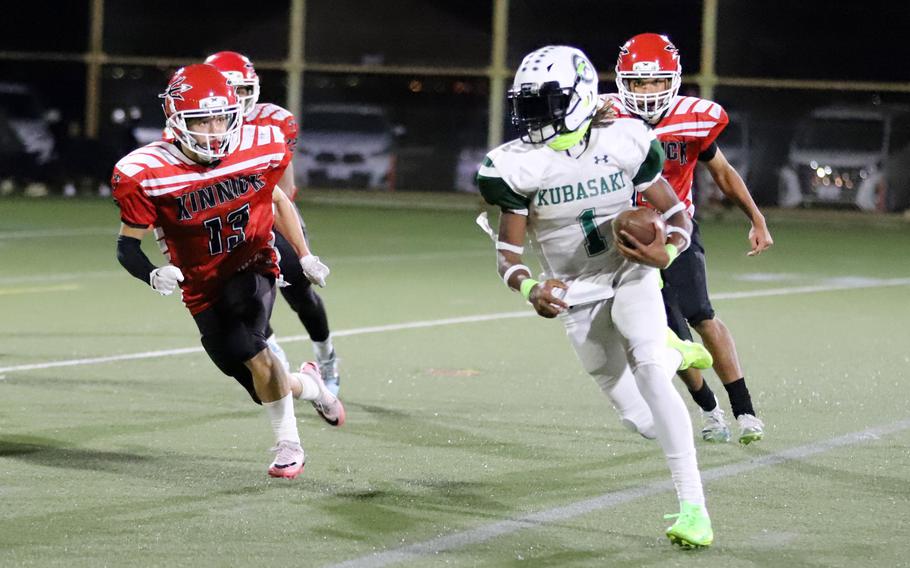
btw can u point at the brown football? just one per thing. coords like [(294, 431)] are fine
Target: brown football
[(639, 223)]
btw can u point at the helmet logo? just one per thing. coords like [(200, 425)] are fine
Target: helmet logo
[(176, 89), (583, 69), (646, 66), (213, 102)]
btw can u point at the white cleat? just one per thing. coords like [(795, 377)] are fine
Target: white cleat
[(327, 405), (751, 429), (289, 460), (715, 427), (329, 371)]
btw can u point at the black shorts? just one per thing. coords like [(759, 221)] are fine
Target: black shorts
[(685, 288), (236, 328)]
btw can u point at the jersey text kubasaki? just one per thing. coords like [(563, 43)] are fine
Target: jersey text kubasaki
[(570, 201), (687, 129), (211, 221)]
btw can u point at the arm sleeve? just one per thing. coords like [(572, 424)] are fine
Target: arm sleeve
[(496, 191), (131, 257), (708, 153), (651, 167)]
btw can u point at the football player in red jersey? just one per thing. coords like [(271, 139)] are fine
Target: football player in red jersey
[(300, 295), (648, 76), (211, 195)]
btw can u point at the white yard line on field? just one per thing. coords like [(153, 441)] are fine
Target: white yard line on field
[(833, 286), (55, 233), (430, 548), (40, 289)]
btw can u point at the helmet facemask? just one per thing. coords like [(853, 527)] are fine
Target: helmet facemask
[(208, 146), (238, 81), (539, 110), (649, 106)]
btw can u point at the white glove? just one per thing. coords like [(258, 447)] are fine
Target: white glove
[(164, 279), (315, 271)]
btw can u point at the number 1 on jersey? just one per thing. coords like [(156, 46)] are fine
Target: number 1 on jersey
[(595, 243)]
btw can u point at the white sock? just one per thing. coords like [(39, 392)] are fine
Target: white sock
[(309, 387), (281, 414), (323, 349), (673, 428)]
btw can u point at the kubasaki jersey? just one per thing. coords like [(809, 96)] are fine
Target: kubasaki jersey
[(211, 221), (570, 201), (687, 129)]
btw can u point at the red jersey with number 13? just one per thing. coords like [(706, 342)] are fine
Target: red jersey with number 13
[(687, 129), (211, 221)]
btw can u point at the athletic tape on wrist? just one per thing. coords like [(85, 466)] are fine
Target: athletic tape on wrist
[(526, 285), (681, 232), (512, 269), (673, 210), (500, 245)]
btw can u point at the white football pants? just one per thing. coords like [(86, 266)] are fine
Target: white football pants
[(622, 343)]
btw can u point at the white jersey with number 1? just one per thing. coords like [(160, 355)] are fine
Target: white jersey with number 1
[(570, 201)]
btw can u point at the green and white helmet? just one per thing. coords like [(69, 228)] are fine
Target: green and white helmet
[(554, 96)]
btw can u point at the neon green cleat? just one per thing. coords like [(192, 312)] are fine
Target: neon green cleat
[(692, 528), (694, 354)]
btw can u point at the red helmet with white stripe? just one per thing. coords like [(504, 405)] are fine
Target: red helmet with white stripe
[(202, 111), (648, 56), (240, 72)]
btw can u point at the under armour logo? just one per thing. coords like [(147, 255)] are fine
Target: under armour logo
[(599, 159)]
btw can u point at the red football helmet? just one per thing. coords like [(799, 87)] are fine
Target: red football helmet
[(648, 56), (202, 92), (240, 73)]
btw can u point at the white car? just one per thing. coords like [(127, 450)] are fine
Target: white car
[(838, 156), (347, 146), (29, 120)]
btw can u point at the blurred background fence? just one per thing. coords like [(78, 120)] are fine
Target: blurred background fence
[(413, 91)]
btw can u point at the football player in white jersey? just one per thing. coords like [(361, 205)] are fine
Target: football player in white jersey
[(572, 171)]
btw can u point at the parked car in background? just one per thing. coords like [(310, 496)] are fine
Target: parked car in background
[(839, 154), (345, 145), (30, 120)]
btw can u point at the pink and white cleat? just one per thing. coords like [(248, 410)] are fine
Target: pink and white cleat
[(327, 405), (290, 460)]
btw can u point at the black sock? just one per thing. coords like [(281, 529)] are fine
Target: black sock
[(740, 401), (704, 397)]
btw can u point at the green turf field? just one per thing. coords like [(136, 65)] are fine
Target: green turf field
[(473, 437)]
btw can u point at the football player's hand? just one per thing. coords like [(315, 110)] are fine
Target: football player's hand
[(759, 239), (164, 279), (314, 270), (546, 297), (654, 254)]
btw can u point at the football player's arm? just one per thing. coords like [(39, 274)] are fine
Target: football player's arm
[(661, 252), (286, 183), (517, 276), (288, 224), (734, 188), (163, 280)]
